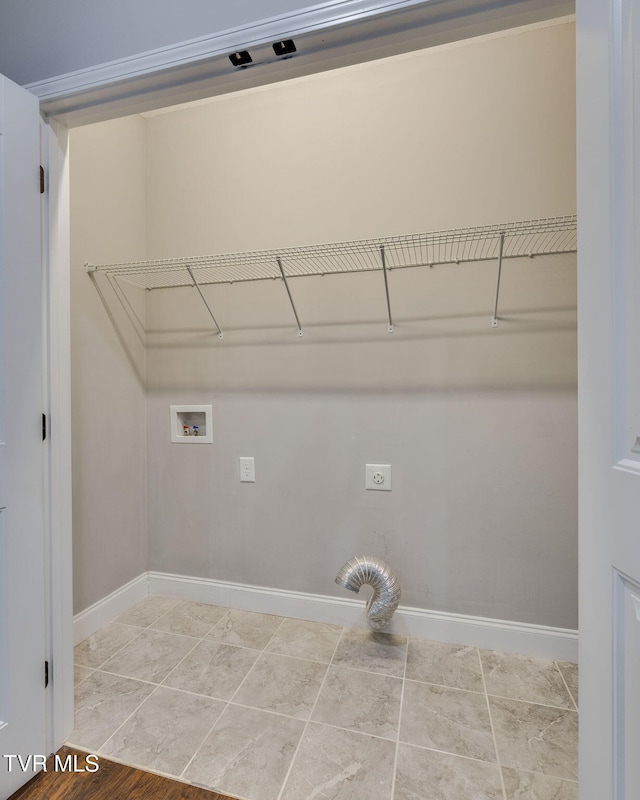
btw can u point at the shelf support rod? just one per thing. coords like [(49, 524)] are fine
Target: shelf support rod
[(197, 285), (386, 287), (286, 286), (494, 320)]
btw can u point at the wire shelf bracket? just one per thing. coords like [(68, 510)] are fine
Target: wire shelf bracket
[(286, 286), (386, 288), (208, 307), (550, 236), (494, 319)]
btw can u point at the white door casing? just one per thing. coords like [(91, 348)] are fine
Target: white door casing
[(22, 534), (55, 228), (608, 105)]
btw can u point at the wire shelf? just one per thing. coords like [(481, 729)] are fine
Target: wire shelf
[(529, 238)]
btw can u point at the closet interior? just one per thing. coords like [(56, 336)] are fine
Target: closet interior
[(472, 140), (369, 265)]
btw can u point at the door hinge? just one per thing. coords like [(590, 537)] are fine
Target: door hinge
[(44, 427), (46, 674), (41, 179)]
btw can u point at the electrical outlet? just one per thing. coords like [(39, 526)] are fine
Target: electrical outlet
[(247, 469), (378, 477)]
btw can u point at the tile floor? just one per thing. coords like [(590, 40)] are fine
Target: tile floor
[(269, 708)]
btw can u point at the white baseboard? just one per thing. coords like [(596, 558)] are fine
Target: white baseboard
[(91, 619), (534, 640), (515, 637)]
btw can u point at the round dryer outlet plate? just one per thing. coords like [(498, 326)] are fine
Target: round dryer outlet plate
[(378, 477)]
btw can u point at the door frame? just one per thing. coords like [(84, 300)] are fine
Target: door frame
[(96, 94), (58, 510)]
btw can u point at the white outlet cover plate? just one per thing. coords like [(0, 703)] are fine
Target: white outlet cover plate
[(247, 469), (378, 477)]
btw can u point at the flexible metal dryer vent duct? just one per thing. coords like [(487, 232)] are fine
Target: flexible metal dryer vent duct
[(386, 589)]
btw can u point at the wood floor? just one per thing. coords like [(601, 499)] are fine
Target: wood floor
[(111, 782)]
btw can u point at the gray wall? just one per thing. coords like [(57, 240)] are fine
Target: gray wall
[(480, 520), (108, 205), (478, 424)]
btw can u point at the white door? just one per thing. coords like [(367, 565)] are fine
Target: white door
[(609, 396), (22, 537)]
